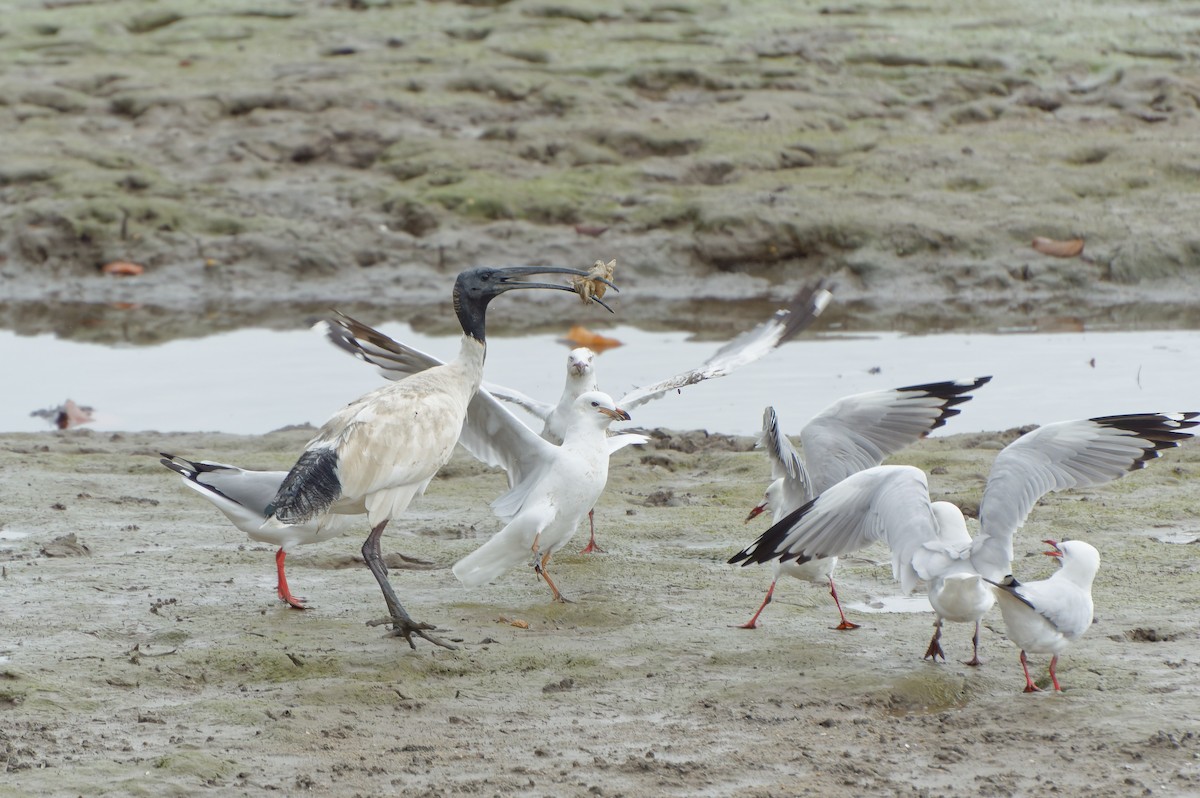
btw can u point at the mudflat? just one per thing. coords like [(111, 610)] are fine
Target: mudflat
[(143, 650)]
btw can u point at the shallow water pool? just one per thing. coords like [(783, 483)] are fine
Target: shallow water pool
[(254, 381)]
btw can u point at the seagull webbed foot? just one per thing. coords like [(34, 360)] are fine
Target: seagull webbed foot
[(592, 548), (294, 602)]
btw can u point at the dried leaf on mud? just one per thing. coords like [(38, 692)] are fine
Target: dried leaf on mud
[(1070, 248)]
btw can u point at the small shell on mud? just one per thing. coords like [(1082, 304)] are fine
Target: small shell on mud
[(122, 268), (1059, 249), (590, 286)]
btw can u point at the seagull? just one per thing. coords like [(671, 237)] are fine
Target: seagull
[(243, 495), (1044, 616), (383, 449), (544, 510), (746, 348), (929, 540), (853, 433)]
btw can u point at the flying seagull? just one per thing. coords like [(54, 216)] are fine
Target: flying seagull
[(384, 448)]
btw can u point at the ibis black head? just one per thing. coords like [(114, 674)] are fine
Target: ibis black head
[(475, 288)]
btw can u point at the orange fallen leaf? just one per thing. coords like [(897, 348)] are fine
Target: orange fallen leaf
[(125, 305), (581, 336), (1058, 249), (122, 268)]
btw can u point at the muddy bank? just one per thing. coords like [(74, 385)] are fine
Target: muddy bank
[(269, 158), (148, 655)]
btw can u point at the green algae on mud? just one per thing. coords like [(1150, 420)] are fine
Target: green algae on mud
[(345, 153)]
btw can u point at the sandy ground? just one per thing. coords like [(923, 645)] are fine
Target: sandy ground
[(150, 657)]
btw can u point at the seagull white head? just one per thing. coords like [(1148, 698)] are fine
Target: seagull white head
[(599, 405), (1079, 560), (579, 362), (772, 496), (475, 288)]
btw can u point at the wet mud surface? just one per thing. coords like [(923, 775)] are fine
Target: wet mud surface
[(148, 655)]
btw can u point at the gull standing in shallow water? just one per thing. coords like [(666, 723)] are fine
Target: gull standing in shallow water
[(1046, 615), (929, 540), (746, 348), (384, 448), (854, 433), (243, 495)]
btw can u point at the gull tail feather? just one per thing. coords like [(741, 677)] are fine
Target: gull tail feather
[(489, 562)]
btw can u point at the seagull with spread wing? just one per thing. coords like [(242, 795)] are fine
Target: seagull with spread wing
[(929, 540), (854, 433), (544, 507), (746, 348)]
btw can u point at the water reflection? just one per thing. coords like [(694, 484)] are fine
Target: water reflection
[(253, 380)]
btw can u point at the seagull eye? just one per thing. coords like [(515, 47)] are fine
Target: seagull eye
[(595, 404)]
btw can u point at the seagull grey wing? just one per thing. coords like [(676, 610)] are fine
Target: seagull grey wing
[(393, 359), (1065, 606), (241, 495), (885, 503), (746, 348), (493, 435), (786, 463), (1064, 455), (251, 489), (538, 408), (859, 431)]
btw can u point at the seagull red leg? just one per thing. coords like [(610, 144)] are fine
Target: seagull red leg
[(1030, 687), (1053, 676), (592, 546), (844, 625), (541, 571), (753, 622), (282, 586), (975, 661)]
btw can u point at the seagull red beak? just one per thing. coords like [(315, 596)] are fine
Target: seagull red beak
[(1054, 544), (755, 513)]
